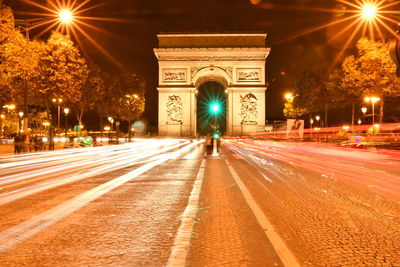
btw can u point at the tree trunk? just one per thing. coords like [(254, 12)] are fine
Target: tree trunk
[(352, 116), (101, 128), (129, 131), (79, 116), (381, 111), (326, 114), (50, 130)]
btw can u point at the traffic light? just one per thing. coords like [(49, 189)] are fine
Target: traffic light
[(215, 107), (394, 51), (216, 135)]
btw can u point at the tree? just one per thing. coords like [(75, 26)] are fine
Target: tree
[(123, 98), (312, 94), (292, 112), (18, 59), (92, 91), (10, 123), (61, 73), (371, 72)]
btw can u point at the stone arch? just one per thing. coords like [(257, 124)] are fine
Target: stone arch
[(234, 60), (209, 74)]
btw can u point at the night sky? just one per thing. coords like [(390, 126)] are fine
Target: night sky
[(132, 39)]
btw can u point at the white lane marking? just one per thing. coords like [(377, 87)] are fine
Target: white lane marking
[(286, 256), (183, 238), (26, 229)]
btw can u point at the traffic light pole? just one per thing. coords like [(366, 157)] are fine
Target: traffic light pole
[(215, 142)]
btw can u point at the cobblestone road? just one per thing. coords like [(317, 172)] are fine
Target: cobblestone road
[(226, 232), (133, 225), (325, 221)]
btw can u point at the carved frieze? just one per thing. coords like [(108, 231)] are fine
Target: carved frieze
[(249, 75), (248, 109), (174, 110), (174, 75)]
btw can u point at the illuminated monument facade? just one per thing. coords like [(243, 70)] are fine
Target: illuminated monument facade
[(187, 61)]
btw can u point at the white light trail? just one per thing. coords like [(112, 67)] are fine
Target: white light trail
[(24, 230)]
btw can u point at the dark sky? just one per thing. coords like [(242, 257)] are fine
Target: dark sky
[(131, 41)]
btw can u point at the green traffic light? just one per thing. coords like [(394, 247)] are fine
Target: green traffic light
[(216, 136), (215, 108)]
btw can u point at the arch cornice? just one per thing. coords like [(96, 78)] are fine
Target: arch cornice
[(212, 54)]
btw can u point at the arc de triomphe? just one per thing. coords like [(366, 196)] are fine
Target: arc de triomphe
[(236, 61)]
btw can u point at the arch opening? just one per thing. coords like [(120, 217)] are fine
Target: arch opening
[(211, 108)]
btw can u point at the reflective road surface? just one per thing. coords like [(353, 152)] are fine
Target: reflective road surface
[(111, 205), (333, 206)]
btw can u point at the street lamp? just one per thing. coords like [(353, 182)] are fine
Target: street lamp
[(318, 118), (372, 99), (108, 128), (364, 111), (58, 101), (66, 111), (2, 117), (66, 16), (20, 114), (289, 96), (9, 107), (369, 12)]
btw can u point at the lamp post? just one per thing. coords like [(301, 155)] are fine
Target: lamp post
[(372, 99), (66, 111), (2, 117), (20, 114), (318, 118), (58, 101), (364, 111), (215, 110), (108, 128), (111, 120), (64, 17)]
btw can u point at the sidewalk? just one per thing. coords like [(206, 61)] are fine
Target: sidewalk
[(226, 232), (8, 149)]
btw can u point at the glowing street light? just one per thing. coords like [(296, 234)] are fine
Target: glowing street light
[(288, 96), (66, 111), (364, 110), (66, 16), (372, 99), (369, 12), (20, 114), (58, 101), (9, 107)]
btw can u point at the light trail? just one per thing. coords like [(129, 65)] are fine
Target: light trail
[(26, 229), (377, 171), (67, 172)]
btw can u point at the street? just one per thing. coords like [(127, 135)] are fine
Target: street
[(261, 203), (99, 206)]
